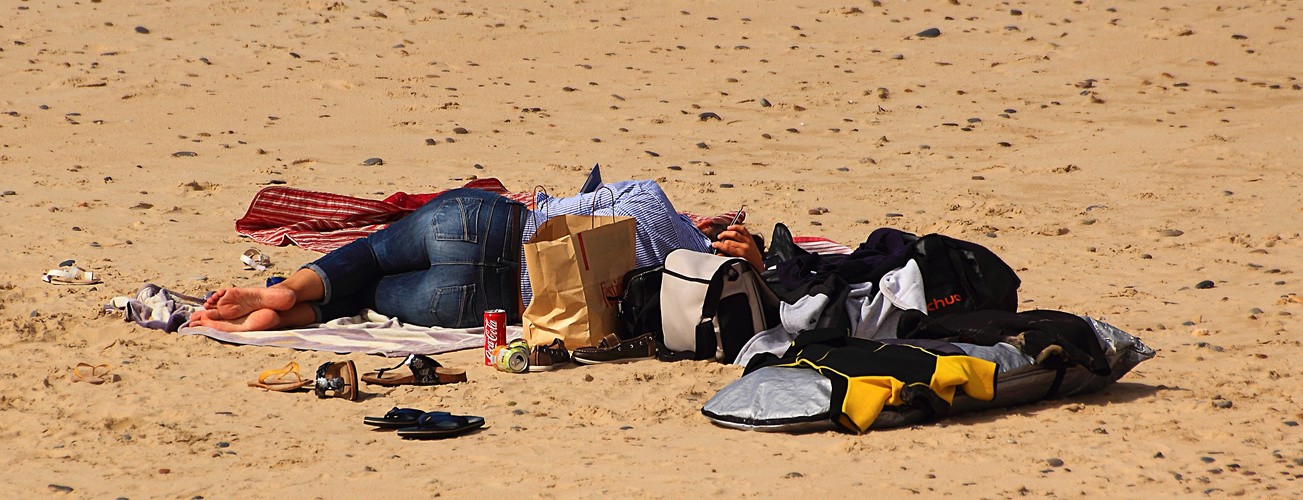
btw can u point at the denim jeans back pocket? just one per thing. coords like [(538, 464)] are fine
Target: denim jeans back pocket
[(457, 219), (454, 306)]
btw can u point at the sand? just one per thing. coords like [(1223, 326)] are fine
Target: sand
[(1101, 124)]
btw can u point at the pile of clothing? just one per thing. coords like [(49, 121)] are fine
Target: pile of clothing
[(907, 329)]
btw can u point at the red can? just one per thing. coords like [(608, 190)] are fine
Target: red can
[(495, 332)]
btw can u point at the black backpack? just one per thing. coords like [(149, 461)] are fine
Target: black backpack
[(640, 303), (961, 277)]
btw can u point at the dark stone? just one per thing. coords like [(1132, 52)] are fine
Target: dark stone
[(703, 145), (142, 30), (652, 154), (627, 427), (1054, 462), (793, 475), (1015, 12), (1204, 285), (764, 103), (184, 153), (894, 215), (223, 444), (1207, 460), (707, 116), (974, 120), (373, 162), (726, 185), (1003, 144), (674, 167), (460, 131), (58, 488), (929, 33), (431, 142)]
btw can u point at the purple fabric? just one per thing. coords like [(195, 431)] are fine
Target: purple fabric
[(884, 250)]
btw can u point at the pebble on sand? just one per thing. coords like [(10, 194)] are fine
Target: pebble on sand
[(1054, 462), (184, 153), (1204, 285), (1170, 232), (373, 162), (707, 116), (142, 30), (929, 33), (460, 131)]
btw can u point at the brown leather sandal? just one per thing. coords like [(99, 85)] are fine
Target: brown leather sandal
[(339, 379), (422, 370)]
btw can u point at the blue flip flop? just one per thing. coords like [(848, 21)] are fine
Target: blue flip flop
[(441, 425), (399, 417)]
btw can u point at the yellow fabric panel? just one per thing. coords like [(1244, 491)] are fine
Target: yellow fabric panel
[(976, 376), (865, 397)]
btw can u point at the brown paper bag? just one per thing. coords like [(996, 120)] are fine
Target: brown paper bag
[(576, 267)]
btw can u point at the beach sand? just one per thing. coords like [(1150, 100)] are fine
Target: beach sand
[(1064, 136)]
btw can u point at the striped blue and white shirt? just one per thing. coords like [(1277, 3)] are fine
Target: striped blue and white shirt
[(660, 229)]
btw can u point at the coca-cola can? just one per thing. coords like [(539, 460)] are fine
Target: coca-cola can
[(495, 332)]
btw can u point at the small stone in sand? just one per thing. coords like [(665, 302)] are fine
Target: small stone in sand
[(929, 33), (894, 215), (142, 30), (1054, 462), (674, 167), (431, 142), (703, 145), (764, 103), (707, 116), (9, 193), (793, 475), (58, 488), (652, 154), (726, 185), (370, 162), (1170, 232), (460, 131), (1204, 285), (185, 153)]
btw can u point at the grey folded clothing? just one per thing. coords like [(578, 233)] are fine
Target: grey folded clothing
[(157, 307)]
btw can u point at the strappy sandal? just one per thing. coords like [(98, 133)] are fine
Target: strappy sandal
[(90, 374), (441, 425), (339, 379), (280, 380), (398, 418), (423, 370), (70, 275), (254, 260)]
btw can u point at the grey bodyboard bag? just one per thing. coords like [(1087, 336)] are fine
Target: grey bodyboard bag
[(789, 399)]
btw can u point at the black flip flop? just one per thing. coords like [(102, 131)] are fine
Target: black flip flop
[(398, 418), (441, 425)]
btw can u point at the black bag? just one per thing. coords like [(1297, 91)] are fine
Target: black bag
[(640, 303), (960, 277)]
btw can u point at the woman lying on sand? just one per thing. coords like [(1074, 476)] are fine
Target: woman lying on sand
[(452, 259)]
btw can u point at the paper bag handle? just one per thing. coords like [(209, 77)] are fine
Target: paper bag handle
[(537, 208), (596, 195)]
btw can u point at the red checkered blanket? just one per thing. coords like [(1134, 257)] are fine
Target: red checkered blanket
[(319, 221)]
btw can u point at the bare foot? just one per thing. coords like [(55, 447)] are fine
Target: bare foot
[(259, 320), (233, 303)]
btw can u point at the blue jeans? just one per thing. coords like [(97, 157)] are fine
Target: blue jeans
[(442, 265)]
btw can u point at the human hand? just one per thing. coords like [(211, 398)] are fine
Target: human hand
[(737, 242)]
